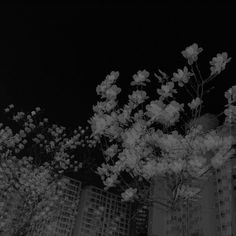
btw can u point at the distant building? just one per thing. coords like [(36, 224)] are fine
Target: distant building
[(139, 225), (64, 220), (140, 213), (67, 214), (158, 214), (225, 190), (196, 217), (102, 213), (214, 214), (10, 209)]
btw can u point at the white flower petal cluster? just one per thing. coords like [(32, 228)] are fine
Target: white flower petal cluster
[(140, 78), (191, 53), (164, 114), (195, 103), (145, 138), (219, 62), (230, 111), (182, 76), (33, 156), (128, 194), (137, 97), (105, 88), (100, 123), (111, 151), (167, 90)]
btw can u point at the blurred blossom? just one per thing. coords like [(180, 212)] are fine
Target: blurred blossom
[(219, 62), (195, 103), (182, 76), (140, 78), (156, 137), (191, 53), (128, 194), (31, 175)]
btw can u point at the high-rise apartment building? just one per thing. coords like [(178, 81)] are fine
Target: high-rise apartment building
[(102, 213), (195, 217), (213, 214), (64, 219), (158, 214), (66, 216), (140, 213), (139, 223), (225, 190)]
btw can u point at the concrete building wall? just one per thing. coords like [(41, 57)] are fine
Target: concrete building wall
[(158, 215), (64, 218), (102, 213), (213, 214)]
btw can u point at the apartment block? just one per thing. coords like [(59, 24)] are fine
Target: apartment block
[(213, 214), (102, 213), (139, 225), (196, 217), (64, 219), (67, 214), (225, 190)]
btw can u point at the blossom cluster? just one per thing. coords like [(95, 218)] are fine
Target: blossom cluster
[(33, 191), (145, 138), (34, 156)]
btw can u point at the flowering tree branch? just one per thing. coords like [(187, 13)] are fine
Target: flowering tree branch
[(34, 157), (145, 138)]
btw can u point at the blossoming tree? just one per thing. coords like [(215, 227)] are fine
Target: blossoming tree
[(34, 157), (168, 137)]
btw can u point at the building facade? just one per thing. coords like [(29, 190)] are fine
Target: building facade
[(102, 213), (225, 190), (66, 216), (213, 214), (64, 219), (139, 223)]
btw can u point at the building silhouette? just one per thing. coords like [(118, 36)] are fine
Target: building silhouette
[(102, 213), (64, 219), (139, 223), (66, 216), (213, 214)]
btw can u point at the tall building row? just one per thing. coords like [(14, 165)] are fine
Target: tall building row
[(102, 213), (213, 214)]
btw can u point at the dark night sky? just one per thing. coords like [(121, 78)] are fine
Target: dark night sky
[(54, 56)]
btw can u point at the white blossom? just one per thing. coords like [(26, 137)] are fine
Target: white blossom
[(153, 135), (195, 103), (191, 53), (140, 78), (219, 62), (128, 194)]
